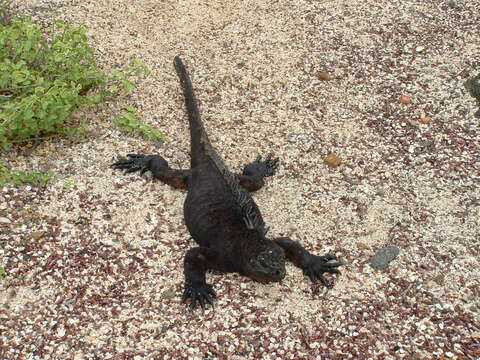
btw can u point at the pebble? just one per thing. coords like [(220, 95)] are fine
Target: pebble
[(473, 86), (4, 220), (362, 246), (425, 120), (384, 256), (332, 160), (168, 294), (324, 76), (37, 235), (450, 5), (419, 48), (404, 99)]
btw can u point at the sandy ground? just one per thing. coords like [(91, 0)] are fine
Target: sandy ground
[(94, 260)]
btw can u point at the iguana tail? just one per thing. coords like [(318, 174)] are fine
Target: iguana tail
[(200, 145), (202, 149)]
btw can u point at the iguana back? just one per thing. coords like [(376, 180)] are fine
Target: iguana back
[(202, 150)]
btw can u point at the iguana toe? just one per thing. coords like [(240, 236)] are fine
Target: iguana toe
[(319, 265), (134, 163), (199, 293)]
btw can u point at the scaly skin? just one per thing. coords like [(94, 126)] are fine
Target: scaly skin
[(222, 217)]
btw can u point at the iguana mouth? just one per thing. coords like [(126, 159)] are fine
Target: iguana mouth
[(268, 266)]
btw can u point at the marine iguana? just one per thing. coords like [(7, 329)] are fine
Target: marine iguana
[(221, 216)]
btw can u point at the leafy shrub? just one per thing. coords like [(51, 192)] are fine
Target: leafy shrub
[(20, 177), (42, 81), (130, 123)]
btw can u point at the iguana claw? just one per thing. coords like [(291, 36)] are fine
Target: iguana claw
[(198, 293), (134, 163), (319, 265), (264, 168)]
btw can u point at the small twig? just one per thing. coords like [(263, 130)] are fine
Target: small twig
[(32, 148)]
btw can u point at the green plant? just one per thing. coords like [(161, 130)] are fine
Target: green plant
[(130, 123), (3, 273), (21, 177), (43, 81), (120, 81)]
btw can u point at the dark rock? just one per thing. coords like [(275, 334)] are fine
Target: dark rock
[(473, 86), (384, 256), (450, 5)]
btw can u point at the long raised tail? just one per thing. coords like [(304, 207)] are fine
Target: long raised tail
[(201, 148), (200, 145)]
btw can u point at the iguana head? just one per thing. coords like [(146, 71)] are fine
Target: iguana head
[(267, 265)]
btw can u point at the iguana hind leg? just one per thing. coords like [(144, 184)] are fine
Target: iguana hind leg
[(157, 165), (254, 173)]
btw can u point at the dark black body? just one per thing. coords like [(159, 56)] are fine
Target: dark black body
[(221, 216)]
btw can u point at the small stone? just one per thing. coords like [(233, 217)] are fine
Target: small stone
[(464, 74), (440, 279), (168, 294), (473, 86), (4, 220), (37, 235), (362, 246), (324, 76), (451, 5), (404, 99), (425, 120), (420, 48), (158, 144), (384, 256), (332, 160)]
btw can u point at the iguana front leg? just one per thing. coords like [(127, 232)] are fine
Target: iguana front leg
[(254, 173), (157, 165), (196, 263), (312, 265)]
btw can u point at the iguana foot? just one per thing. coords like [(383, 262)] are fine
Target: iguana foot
[(261, 168), (313, 266), (137, 162), (198, 293), (318, 265)]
